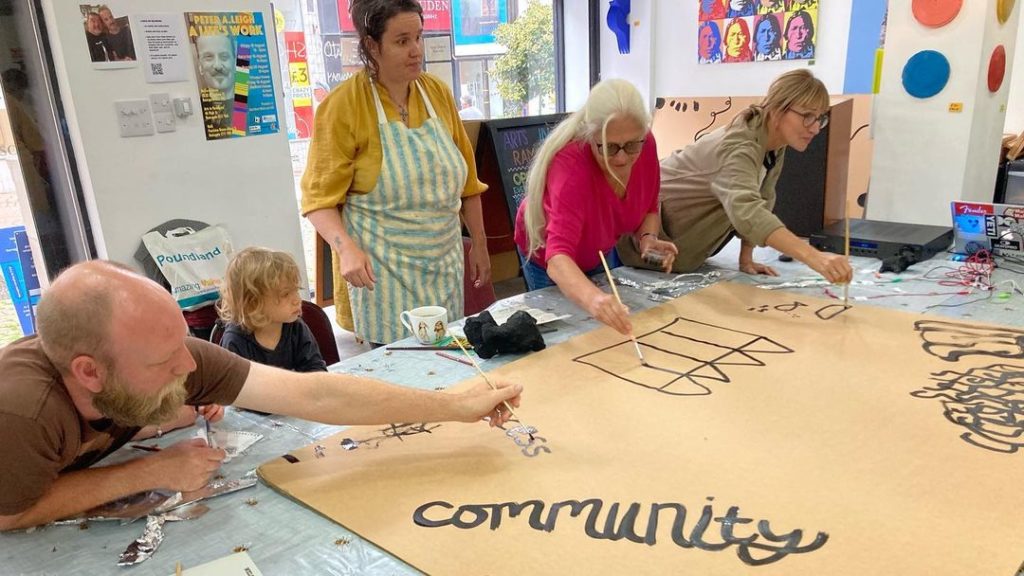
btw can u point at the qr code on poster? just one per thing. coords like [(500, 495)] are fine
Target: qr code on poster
[(156, 68)]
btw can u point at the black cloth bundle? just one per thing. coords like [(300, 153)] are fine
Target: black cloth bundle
[(518, 334)]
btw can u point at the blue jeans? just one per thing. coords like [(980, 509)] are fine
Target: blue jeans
[(537, 277)]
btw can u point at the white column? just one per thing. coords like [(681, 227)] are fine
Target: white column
[(927, 153)]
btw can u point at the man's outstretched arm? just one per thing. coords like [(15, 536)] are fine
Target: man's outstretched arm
[(334, 398)]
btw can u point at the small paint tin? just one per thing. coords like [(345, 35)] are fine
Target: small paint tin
[(655, 257)]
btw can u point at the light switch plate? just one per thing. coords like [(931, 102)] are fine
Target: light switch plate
[(161, 103), (134, 118)]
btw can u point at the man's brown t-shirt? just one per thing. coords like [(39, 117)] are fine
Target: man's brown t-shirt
[(43, 435)]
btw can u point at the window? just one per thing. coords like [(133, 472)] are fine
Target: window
[(500, 58)]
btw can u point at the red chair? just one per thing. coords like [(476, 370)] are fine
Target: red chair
[(319, 324), (323, 331), (474, 299)]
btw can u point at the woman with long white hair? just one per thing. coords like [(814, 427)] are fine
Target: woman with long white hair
[(595, 178)]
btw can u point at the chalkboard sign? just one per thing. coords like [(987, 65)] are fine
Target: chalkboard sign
[(506, 151)]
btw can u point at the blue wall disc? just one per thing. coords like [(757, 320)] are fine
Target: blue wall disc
[(925, 74)]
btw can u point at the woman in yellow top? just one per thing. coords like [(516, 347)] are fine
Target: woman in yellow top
[(389, 171)]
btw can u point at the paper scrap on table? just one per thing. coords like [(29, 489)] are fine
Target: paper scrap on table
[(232, 442), (501, 315), (240, 563)]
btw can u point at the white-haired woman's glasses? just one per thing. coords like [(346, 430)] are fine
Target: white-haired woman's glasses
[(632, 148)]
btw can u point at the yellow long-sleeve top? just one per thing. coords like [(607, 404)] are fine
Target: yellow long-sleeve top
[(345, 154)]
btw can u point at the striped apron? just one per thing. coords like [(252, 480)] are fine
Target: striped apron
[(409, 227)]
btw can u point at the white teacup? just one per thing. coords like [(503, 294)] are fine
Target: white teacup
[(428, 324)]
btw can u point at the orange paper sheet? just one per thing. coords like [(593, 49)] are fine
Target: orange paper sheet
[(772, 435)]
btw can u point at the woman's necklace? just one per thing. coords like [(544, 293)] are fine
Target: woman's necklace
[(403, 110)]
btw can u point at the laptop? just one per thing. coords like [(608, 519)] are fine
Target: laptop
[(998, 228)]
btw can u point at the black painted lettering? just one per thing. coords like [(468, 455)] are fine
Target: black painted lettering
[(677, 524), (515, 509), (420, 518), (764, 547), (697, 535), (791, 545), (479, 515)]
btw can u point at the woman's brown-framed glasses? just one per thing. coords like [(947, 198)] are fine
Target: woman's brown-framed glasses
[(810, 118)]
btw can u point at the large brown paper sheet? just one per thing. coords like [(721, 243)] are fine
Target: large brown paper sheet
[(773, 434)]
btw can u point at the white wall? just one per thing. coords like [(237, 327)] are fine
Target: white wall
[(665, 61), (1015, 106), (133, 184), (638, 65)]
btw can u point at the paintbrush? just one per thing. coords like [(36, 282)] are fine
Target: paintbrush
[(491, 384), (615, 291), (846, 251), (207, 434)]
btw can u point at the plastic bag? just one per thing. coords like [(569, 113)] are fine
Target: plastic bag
[(193, 264)]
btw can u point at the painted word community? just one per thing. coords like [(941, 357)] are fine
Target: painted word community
[(758, 548)]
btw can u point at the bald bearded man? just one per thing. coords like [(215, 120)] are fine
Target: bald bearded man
[(112, 355)]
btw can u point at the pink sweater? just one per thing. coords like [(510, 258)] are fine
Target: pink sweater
[(583, 214)]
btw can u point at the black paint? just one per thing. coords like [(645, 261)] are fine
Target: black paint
[(714, 116), (390, 432), (708, 369), (988, 402), (831, 311), (826, 312), (709, 532), (951, 342)]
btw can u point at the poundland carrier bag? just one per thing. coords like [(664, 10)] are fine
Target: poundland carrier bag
[(193, 264)]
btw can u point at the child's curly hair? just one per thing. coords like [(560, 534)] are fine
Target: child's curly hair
[(254, 276)]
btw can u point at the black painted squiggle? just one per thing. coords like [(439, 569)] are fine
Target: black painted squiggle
[(714, 116), (390, 432), (950, 341), (988, 402), (830, 311), (858, 131), (826, 312), (757, 548)]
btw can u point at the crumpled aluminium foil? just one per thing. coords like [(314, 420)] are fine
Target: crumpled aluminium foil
[(665, 290), (144, 546)]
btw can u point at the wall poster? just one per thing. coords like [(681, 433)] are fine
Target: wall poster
[(236, 86), (755, 30)]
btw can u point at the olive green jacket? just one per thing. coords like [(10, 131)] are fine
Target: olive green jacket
[(714, 187)]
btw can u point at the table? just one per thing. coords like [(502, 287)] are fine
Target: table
[(284, 537)]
